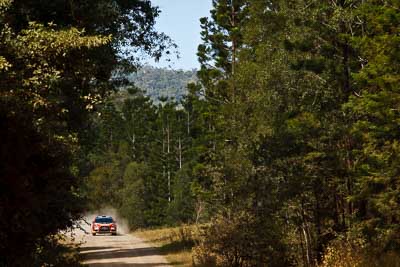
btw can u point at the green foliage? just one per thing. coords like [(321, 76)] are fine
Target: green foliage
[(37, 197), (54, 251), (221, 41), (353, 251), (144, 157), (239, 239), (182, 207), (133, 206), (55, 67), (375, 124), (41, 50), (288, 147), (306, 119)]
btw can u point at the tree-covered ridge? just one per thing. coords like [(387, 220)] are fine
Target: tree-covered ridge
[(162, 82)]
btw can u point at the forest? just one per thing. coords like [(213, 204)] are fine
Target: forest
[(284, 150)]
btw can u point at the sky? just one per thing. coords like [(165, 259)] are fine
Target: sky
[(179, 19)]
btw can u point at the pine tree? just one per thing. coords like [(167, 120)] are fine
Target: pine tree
[(221, 36), (375, 113)]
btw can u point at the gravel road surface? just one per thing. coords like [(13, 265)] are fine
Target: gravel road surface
[(121, 250)]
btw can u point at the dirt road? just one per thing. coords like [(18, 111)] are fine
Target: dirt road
[(121, 250)]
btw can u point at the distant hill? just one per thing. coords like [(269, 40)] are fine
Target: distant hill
[(161, 82)]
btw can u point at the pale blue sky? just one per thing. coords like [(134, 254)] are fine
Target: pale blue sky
[(179, 19)]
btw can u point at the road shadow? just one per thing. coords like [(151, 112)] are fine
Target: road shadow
[(97, 254), (173, 247), (108, 264)]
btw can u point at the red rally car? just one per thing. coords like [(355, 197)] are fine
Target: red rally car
[(104, 225)]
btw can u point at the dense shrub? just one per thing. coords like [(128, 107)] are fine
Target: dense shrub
[(355, 252), (240, 239), (54, 251), (36, 198)]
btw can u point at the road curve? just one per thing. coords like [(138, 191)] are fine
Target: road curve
[(121, 250)]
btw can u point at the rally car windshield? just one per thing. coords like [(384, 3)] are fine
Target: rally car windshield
[(103, 220)]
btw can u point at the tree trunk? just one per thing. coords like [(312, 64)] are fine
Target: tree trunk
[(188, 123), (168, 159), (180, 152)]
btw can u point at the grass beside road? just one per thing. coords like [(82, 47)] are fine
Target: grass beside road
[(174, 243)]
